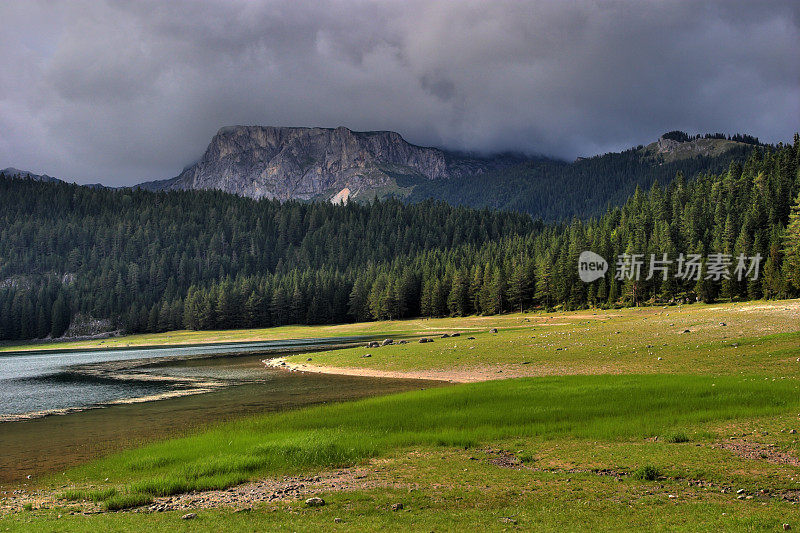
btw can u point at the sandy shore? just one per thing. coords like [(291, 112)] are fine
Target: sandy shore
[(470, 375)]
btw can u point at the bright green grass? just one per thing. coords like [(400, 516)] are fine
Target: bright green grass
[(580, 407), (92, 495), (717, 381)]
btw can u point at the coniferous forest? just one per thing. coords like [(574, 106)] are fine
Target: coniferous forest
[(146, 262)]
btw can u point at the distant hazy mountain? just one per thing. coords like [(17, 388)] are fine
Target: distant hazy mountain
[(321, 163), (12, 172), (557, 190)]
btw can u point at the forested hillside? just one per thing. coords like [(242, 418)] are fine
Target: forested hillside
[(556, 191), (157, 261), (132, 255)]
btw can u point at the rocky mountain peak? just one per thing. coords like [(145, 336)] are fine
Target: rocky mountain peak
[(317, 163)]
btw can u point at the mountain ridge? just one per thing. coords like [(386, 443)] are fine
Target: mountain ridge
[(318, 163)]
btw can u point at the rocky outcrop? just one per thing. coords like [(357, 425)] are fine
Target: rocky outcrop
[(309, 163), (668, 150)]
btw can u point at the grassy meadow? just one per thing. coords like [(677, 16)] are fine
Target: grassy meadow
[(608, 420)]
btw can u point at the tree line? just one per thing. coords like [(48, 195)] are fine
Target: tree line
[(207, 260)]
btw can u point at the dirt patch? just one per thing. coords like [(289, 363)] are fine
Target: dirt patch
[(793, 306), (759, 452), (239, 498), (242, 497), (504, 459)]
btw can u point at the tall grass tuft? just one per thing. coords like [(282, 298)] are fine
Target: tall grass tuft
[(647, 473)]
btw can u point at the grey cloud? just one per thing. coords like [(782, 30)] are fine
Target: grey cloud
[(120, 92)]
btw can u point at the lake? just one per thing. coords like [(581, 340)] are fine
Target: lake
[(42, 382), (208, 384)]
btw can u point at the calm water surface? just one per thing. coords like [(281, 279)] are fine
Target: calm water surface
[(46, 445), (43, 381)]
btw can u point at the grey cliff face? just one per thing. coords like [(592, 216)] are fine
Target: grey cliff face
[(306, 163)]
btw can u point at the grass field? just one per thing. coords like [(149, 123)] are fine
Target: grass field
[(618, 420)]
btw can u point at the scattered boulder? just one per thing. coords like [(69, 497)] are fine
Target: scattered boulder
[(423, 340), (686, 331), (189, 516), (493, 330), (722, 324), (471, 338), (337, 520), (374, 344), (786, 527), (309, 359), (508, 520), (793, 431), (315, 502), (387, 342), (397, 507), (456, 335), (367, 355), (445, 336), (402, 342)]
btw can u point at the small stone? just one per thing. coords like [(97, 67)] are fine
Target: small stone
[(493, 330), (792, 431), (659, 358), (445, 336), (786, 527), (471, 338), (365, 355), (722, 324), (315, 502), (508, 520), (397, 507), (686, 331), (309, 359), (337, 520), (189, 516), (740, 491)]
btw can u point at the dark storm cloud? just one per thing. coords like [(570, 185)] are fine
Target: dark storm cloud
[(119, 92)]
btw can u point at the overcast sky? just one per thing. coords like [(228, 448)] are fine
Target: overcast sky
[(122, 92)]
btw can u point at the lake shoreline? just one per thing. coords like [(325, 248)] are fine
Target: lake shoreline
[(125, 370)]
